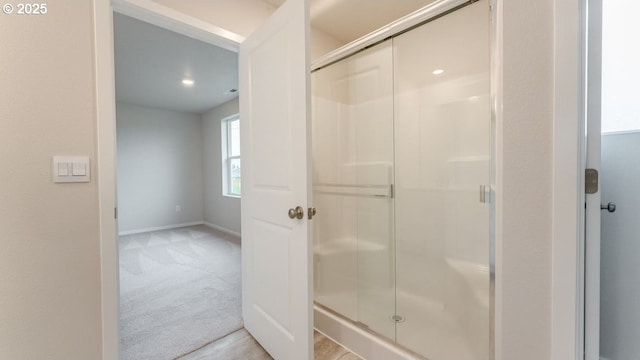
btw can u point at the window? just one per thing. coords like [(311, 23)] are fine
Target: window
[(231, 156)]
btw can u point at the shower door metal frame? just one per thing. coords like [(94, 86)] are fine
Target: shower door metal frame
[(405, 23), (420, 17)]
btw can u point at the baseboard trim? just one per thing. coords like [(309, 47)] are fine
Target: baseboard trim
[(158, 228), (223, 229)]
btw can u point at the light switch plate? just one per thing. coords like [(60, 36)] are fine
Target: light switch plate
[(68, 169)]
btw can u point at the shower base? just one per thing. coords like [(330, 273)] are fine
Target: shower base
[(360, 341)]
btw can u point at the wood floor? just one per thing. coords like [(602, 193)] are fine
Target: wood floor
[(326, 349), (241, 345)]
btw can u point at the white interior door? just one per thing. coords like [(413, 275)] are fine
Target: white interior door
[(275, 118), (593, 161)]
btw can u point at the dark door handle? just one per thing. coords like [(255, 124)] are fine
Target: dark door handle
[(610, 207)]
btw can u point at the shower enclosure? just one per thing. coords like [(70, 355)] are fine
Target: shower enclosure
[(401, 172)]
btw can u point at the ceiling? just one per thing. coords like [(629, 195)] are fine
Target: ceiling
[(151, 62), (348, 20)]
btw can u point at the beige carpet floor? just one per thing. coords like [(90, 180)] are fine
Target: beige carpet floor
[(180, 289)]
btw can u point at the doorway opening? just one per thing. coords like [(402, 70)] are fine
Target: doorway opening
[(178, 235), (613, 293)]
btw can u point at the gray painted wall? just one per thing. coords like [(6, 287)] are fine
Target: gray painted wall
[(50, 297), (620, 235), (159, 167), (223, 211)]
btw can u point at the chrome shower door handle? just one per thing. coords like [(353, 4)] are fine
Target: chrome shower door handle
[(485, 194)]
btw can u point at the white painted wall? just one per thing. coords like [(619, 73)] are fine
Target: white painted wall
[(619, 286), (620, 71), (241, 17), (159, 167), (322, 43), (568, 186), (524, 182), (219, 210), (49, 233)]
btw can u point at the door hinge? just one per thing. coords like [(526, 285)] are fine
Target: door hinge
[(115, 213), (590, 181)]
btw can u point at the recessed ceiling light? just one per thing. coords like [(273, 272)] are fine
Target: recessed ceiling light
[(188, 82), (438, 72), (231, 91)]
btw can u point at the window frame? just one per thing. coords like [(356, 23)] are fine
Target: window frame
[(227, 183)]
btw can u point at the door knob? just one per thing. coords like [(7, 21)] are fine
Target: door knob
[(297, 213), (311, 213), (610, 207)]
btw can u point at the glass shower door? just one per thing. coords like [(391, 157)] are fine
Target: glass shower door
[(353, 187), (442, 157)]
